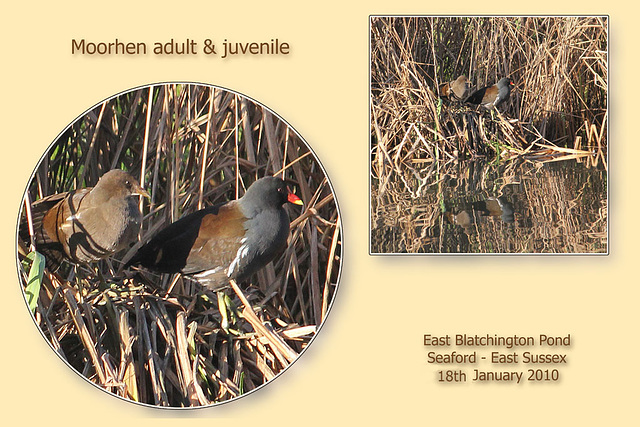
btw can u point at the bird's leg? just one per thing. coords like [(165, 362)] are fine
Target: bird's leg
[(222, 307), (227, 311), (102, 282)]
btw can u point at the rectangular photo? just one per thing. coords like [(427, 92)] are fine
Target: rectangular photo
[(489, 135)]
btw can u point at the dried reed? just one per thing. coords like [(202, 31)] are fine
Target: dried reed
[(559, 66), (162, 340)]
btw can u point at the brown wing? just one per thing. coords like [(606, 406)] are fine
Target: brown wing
[(45, 216), (76, 225), (219, 238)]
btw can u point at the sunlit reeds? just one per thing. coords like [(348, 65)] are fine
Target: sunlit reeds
[(162, 340), (559, 66), (557, 207)]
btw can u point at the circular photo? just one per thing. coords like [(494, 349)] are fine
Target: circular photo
[(179, 245)]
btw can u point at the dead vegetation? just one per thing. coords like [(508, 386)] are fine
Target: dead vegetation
[(558, 108), (162, 340), (552, 208)]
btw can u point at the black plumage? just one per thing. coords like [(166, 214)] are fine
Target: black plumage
[(492, 96), (229, 240)]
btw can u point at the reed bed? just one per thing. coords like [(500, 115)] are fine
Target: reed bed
[(558, 208), (558, 108), (162, 340)]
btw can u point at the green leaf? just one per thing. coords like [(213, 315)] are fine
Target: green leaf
[(32, 290)]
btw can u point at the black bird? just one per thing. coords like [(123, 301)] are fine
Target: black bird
[(492, 96), (457, 88), (496, 207), (88, 224), (231, 240)]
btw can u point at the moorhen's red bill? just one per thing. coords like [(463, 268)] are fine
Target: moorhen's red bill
[(457, 88), (492, 96), (89, 224), (227, 241)]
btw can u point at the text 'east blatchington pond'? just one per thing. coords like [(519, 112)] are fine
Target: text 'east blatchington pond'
[(492, 358), (182, 48)]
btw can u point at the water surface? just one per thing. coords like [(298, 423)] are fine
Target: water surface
[(478, 207)]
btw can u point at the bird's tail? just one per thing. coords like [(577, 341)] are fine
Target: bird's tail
[(52, 250)]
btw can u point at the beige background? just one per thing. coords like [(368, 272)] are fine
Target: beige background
[(368, 362)]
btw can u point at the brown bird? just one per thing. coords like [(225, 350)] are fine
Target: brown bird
[(89, 224), (492, 96), (457, 88), (231, 240)]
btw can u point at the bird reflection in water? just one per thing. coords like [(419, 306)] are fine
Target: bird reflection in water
[(490, 207)]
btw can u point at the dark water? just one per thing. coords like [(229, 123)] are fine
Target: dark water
[(478, 207)]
